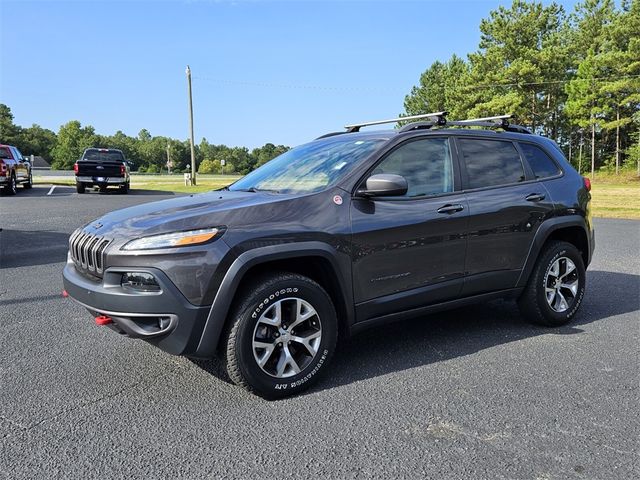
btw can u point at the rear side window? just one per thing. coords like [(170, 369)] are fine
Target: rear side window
[(425, 164), (491, 162), (539, 161), (5, 152)]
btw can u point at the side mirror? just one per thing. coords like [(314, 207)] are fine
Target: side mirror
[(384, 185)]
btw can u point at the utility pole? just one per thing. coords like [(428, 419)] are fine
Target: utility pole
[(580, 155), (168, 158), (193, 152)]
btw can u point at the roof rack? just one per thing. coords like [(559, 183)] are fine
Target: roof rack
[(499, 121), (439, 119), (502, 119)]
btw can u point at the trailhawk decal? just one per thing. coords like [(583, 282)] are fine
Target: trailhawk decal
[(307, 377), (272, 297)]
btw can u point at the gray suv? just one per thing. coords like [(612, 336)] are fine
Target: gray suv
[(335, 236)]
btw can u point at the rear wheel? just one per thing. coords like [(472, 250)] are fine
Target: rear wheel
[(556, 287), (124, 188), (281, 337), (80, 187), (12, 186)]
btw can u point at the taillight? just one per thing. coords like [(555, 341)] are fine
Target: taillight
[(75, 168), (122, 169), (587, 183)]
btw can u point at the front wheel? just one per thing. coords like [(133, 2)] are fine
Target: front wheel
[(281, 337), (556, 287)]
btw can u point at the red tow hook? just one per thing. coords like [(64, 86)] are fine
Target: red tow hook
[(64, 294), (103, 320)]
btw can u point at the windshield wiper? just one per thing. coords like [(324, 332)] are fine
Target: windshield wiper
[(255, 190)]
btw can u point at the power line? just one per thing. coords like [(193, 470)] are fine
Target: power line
[(383, 89), (552, 82), (292, 86)]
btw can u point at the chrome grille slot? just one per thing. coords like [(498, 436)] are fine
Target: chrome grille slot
[(87, 251)]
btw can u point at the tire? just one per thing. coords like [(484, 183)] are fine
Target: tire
[(29, 183), (124, 188), (80, 187), (12, 187), (254, 323), (103, 188), (556, 286)]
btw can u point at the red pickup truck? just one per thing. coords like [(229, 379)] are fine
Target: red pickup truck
[(14, 169)]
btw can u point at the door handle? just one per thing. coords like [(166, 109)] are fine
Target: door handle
[(449, 208), (534, 197)]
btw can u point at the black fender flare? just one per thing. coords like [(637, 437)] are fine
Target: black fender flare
[(543, 234), (224, 296)]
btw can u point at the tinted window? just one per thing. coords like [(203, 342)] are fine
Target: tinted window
[(491, 162), (539, 161), (103, 156), (5, 153), (426, 165)]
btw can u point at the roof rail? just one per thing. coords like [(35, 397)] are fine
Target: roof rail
[(419, 125), (439, 118), (330, 134)]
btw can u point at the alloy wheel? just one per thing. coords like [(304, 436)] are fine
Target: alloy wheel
[(561, 284), (287, 337)]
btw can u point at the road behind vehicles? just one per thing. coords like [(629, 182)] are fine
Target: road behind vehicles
[(14, 170), (343, 233), (102, 168)]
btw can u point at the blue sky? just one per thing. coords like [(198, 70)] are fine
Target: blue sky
[(263, 71)]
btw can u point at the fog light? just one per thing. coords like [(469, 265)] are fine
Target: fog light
[(139, 281)]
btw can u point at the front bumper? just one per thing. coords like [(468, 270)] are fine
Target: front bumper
[(165, 318)]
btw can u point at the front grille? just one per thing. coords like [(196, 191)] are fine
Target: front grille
[(87, 251)]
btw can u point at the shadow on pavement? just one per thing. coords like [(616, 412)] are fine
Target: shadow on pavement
[(439, 337), (20, 248)]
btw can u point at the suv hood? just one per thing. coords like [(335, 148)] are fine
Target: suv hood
[(189, 212)]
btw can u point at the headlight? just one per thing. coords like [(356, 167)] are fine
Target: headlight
[(176, 239)]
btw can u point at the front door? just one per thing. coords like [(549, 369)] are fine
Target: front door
[(409, 251)]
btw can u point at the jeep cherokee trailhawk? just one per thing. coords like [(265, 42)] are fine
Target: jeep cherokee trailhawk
[(348, 231)]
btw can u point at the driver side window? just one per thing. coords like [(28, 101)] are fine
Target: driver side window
[(426, 164)]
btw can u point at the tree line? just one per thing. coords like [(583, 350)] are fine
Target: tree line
[(147, 153), (574, 77)]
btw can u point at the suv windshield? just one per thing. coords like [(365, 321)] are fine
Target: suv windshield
[(309, 168), (103, 156)]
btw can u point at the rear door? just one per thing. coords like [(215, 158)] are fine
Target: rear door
[(506, 207), (409, 251)]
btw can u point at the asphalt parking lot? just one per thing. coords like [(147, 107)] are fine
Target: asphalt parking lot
[(472, 393)]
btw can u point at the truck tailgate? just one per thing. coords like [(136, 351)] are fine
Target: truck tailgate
[(88, 168)]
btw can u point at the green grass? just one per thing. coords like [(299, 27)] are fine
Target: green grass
[(615, 200), (166, 183)]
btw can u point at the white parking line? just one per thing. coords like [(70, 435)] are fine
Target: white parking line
[(53, 187)]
